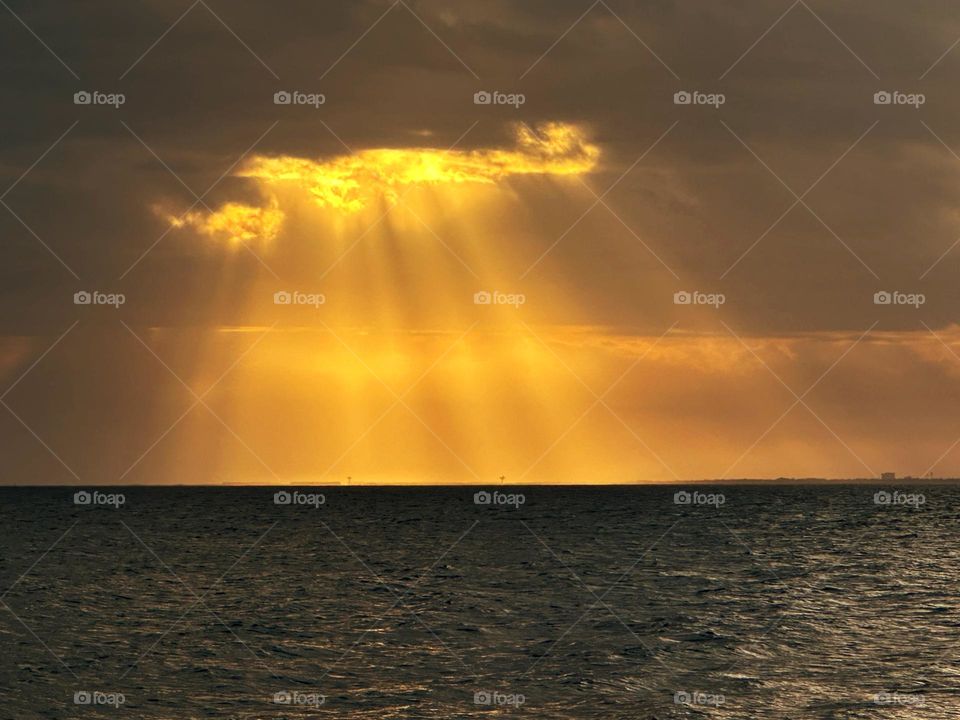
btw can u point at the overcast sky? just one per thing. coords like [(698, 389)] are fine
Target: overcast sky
[(598, 199)]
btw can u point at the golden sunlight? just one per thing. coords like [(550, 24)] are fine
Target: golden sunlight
[(493, 401), (235, 222), (351, 182)]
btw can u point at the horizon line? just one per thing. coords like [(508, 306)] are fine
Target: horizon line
[(778, 481)]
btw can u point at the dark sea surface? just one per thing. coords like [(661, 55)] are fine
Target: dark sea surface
[(781, 602)]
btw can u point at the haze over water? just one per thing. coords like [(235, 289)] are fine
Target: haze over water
[(777, 602)]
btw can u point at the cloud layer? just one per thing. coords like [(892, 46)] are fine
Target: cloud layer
[(798, 199)]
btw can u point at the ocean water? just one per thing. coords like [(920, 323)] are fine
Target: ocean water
[(579, 603)]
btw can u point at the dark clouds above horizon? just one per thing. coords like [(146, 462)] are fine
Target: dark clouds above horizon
[(713, 206), (799, 99)]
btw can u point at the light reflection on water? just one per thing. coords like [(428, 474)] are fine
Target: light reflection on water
[(397, 603)]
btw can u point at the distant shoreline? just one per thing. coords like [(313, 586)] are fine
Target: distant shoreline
[(751, 482)]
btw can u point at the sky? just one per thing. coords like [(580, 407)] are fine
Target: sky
[(388, 280)]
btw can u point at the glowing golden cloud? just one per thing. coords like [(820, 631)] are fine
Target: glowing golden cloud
[(351, 182), (235, 222)]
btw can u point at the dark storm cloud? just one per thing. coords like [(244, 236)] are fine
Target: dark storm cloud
[(199, 78), (201, 96)]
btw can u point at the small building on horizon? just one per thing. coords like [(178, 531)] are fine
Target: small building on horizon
[(888, 476)]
